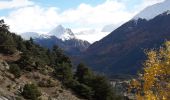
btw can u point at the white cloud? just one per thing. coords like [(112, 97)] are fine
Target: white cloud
[(109, 12), (32, 19), (94, 36), (36, 18), (4, 4), (40, 19)]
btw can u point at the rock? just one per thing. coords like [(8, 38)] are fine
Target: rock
[(3, 98), (3, 65)]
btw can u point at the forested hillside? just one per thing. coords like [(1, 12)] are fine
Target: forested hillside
[(38, 72)]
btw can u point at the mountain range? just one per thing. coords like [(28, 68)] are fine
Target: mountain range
[(62, 37), (122, 51)]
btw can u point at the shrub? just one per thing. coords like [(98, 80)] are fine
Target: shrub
[(30, 91), (15, 69)]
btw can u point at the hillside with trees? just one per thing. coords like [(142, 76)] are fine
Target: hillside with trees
[(35, 73)]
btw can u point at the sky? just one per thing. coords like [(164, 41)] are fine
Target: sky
[(80, 15)]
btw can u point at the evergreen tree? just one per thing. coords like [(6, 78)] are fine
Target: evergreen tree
[(97, 87), (103, 90), (84, 91), (83, 74), (3, 27), (63, 72), (31, 40)]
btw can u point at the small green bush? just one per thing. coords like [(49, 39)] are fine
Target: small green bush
[(15, 69), (30, 91)]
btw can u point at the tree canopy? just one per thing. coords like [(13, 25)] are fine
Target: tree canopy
[(154, 81)]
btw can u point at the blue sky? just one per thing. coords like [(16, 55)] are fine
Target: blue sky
[(71, 4), (67, 4), (80, 15)]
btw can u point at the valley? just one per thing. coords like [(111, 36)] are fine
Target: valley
[(114, 50)]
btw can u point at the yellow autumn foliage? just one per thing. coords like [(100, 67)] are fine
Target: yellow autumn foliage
[(154, 82)]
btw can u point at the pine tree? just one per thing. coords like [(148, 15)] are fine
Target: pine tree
[(83, 74), (64, 72)]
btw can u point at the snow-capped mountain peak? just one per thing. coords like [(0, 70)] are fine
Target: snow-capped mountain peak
[(154, 10), (57, 30), (62, 33)]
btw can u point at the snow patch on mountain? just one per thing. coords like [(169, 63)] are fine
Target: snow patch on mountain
[(154, 10), (168, 12)]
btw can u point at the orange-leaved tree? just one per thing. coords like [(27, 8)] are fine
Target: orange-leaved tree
[(154, 82)]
